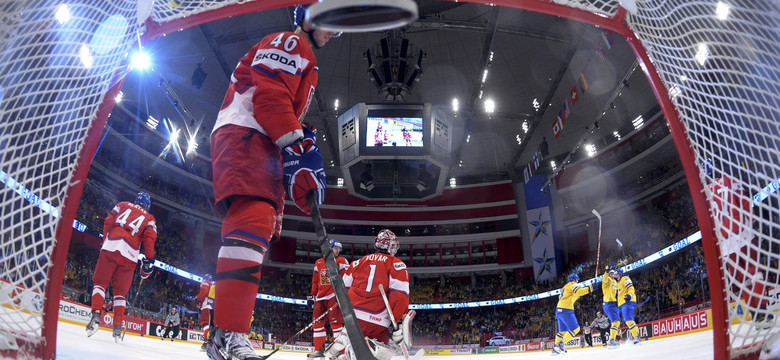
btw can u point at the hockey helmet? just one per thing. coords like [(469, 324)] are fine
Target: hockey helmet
[(619, 271), (386, 240), (336, 243), (207, 277), (299, 14), (574, 277), (143, 200)]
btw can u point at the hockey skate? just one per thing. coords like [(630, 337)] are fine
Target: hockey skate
[(117, 333), (229, 345), (558, 350), (319, 354), (94, 323), (612, 344), (637, 341), (203, 347)]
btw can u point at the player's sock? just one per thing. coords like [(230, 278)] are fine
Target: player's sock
[(245, 230), (632, 328), (319, 337), (614, 329), (120, 305), (98, 297)]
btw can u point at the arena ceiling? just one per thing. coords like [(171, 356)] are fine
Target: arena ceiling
[(528, 56)]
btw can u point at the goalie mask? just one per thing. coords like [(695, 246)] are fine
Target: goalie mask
[(386, 240)]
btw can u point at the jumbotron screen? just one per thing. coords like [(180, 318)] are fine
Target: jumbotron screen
[(394, 131)]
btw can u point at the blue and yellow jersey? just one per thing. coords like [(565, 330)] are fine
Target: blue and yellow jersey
[(571, 292), (609, 288), (212, 290), (625, 287)]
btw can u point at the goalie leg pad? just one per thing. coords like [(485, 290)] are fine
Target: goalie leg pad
[(406, 325), (380, 350)]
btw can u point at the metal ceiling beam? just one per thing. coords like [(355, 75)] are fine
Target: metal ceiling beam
[(214, 46), (511, 165), (487, 44), (465, 25)]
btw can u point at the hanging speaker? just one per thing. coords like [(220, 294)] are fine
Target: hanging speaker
[(361, 15)]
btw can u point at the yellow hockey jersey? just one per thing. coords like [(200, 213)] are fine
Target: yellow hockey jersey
[(625, 287), (571, 292), (609, 288)]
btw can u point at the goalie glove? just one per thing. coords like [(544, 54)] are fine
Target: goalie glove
[(303, 169), (147, 267), (403, 333)]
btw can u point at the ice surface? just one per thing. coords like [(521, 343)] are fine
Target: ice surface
[(73, 344)]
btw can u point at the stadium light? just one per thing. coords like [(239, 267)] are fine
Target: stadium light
[(63, 14), (340, 182), (174, 135), (455, 104), (590, 149), (152, 123), (722, 10), (118, 98), (490, 106), (140, 61), (192, 145), (336, 105), (85, 55), (452, 182), (553, 164), (638, 122), (702, 54)]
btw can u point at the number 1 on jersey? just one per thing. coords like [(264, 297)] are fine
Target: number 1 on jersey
[(370, 281)]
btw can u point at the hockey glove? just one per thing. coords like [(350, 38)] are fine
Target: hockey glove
[(147, 268), (398, 333), (310, 301), (303, 170), (627, 297)]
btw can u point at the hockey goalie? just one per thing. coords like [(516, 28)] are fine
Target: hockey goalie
[(376, 309)]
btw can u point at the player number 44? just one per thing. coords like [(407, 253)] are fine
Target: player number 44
[(134, 225)]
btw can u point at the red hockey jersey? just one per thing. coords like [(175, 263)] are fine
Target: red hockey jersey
[(272, 87), (321, 287), (732, 214), (363, 278), (128, 226), (203, 292)]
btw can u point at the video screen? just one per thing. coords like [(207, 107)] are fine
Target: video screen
[(394, 131)]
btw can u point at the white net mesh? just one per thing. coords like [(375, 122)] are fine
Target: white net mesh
[(721, 64), (56, 66)]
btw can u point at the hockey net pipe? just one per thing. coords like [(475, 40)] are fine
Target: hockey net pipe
[(716, 81)]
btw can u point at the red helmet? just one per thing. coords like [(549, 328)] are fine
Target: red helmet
[(386, 240)]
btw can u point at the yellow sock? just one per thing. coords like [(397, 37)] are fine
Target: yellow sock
[(558, 337), (568, 335), (613, 331), (632, 328)]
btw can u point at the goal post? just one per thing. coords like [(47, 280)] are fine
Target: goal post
[(713, 66)]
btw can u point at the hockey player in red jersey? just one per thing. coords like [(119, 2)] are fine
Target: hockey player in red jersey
[(260, 150), (322, 298), (205, 302), (126, 228), (363, 279)]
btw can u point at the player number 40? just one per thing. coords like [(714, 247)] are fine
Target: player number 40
[(289, 44)]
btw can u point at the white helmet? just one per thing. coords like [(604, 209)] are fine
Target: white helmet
[(386, 240)]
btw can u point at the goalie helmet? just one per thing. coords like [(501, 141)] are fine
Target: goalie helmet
[(386, 240), (143, 200)]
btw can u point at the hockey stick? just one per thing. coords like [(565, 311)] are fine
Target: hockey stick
[(355, 334), (598, 250), (124, 327), (404, 350), (299, 332)]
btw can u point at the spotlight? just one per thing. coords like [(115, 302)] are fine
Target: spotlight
[(140, 61)]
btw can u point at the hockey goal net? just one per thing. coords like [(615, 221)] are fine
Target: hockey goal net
[(714, 67)]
